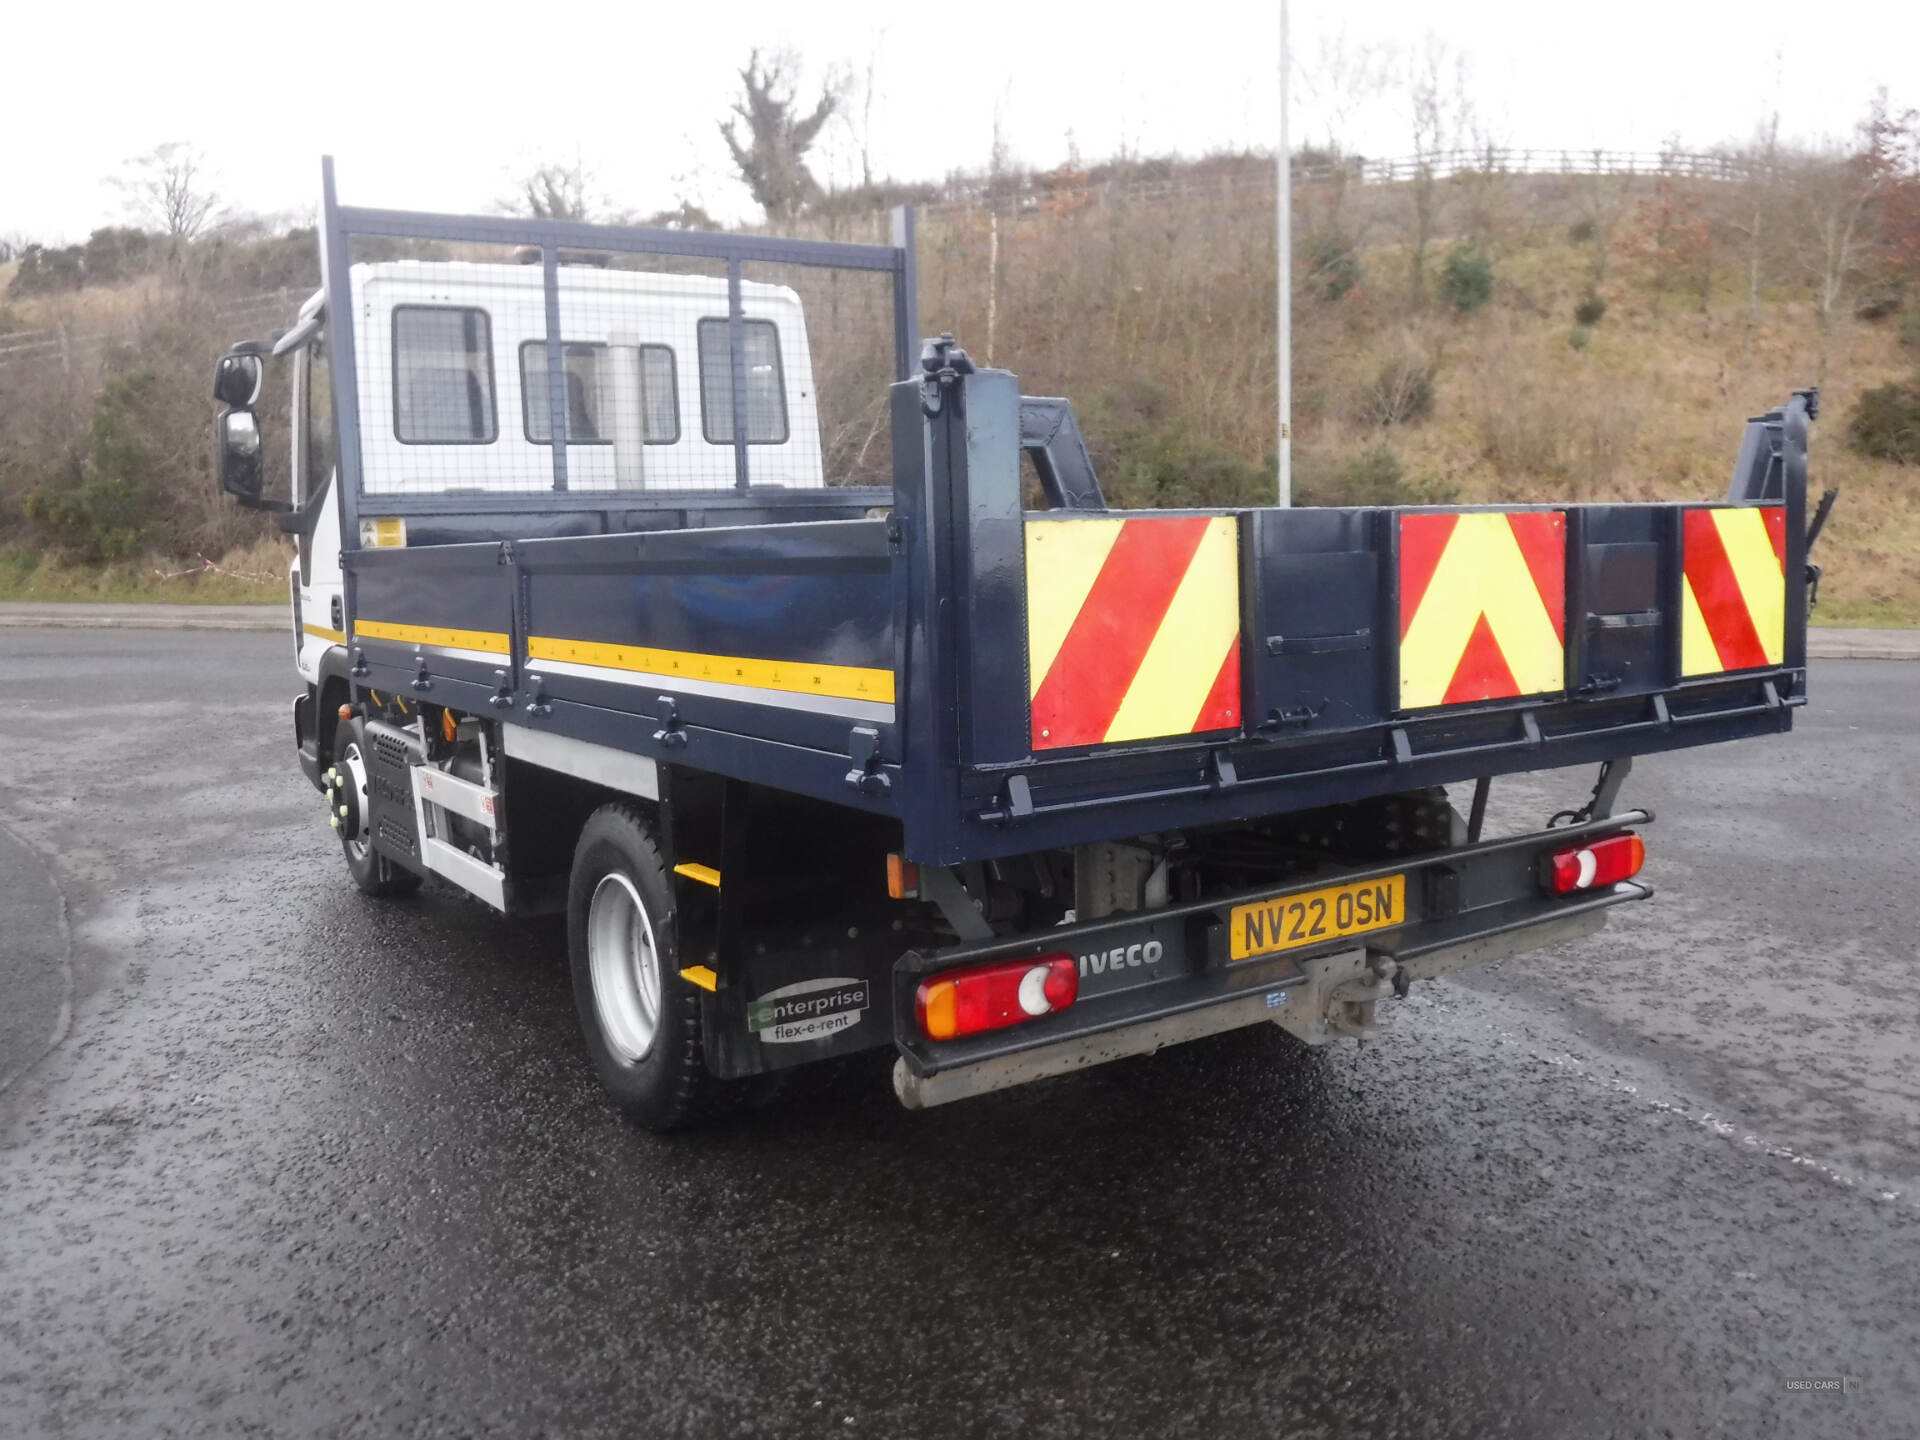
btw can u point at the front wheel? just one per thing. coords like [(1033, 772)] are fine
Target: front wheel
[(640, 1020), (347, 801)]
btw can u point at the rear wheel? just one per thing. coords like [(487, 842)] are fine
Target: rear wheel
[(640, 1020), (347, 800)]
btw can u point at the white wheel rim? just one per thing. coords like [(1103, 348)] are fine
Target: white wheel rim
[(624, 965), (356, 776)]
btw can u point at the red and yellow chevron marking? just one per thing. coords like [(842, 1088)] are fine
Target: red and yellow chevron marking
[(1133, 627), (1733, 602), (1482, 606)]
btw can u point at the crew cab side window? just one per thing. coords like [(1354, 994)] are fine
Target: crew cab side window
[(443, 376), (766, 384)]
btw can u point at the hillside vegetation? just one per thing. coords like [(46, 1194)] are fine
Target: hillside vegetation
[(1476, 337)]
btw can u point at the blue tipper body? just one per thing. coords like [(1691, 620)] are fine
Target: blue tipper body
[(869, 646)]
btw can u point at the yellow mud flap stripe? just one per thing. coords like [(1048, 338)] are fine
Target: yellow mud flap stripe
[(800, 677), (492, 642), (693, 870)]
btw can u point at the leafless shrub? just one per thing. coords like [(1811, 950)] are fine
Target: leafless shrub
[(1401, 390)]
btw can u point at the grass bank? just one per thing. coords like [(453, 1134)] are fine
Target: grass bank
[(255, 576)]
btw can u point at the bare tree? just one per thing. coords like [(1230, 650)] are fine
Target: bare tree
[(552, 192), (1437, 118), (772, 157), (844, 152), (1345, 77), (1834, 193), (866, 112), (1761, 191), (1603, 199), (166, 190), (1671, 240)]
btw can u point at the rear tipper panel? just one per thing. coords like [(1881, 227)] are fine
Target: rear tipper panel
[(1003, 681)]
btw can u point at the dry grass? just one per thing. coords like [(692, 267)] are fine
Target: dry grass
[(108, 308), (256, 575)]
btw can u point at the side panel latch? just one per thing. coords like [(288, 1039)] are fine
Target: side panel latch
[(672, 732), (866, 776)]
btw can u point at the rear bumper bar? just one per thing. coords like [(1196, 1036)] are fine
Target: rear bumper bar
[(1465, 906), (922, 1092)]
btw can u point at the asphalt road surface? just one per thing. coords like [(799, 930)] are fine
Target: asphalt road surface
[(278, 1160)]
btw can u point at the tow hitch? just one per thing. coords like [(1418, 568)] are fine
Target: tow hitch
[(1339, 997)]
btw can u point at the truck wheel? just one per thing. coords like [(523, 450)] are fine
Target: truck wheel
[(641, 1021), (374, 873)]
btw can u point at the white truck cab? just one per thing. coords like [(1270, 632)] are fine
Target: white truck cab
[(455, 399)]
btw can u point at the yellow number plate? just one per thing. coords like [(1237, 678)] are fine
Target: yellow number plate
[(1296, 920)]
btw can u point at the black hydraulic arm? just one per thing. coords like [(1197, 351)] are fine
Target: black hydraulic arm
[(1050, 434)]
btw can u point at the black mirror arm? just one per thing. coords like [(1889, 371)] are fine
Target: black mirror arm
[(299, 519)]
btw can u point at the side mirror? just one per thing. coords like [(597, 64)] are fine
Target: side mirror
[(237, 379), (237, 436)]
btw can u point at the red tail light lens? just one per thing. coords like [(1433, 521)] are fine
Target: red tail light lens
[(1595, 865), (977, 998)]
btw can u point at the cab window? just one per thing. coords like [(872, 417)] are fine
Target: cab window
[(766, 385), (590, 382), (443, 376)]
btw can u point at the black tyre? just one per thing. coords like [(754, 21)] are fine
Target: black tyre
[(640, 1020), (347, 783)]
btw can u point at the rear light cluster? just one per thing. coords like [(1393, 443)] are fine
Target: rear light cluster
[(903, 878), (1595, 865), (977, 998)]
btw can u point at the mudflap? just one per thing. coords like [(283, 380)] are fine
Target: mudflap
[(816, 999), (785, 922), (306, 743)]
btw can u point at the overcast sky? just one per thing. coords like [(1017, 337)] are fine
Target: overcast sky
[(438, 108)]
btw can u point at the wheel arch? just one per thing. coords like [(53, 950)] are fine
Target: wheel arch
[(333, 688)]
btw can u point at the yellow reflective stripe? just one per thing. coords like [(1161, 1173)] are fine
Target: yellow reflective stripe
[(491, 641), (694, 870), (1698, 654), (323, 633), (1756, 569), (1063, 560), (1482, 572), (800, 677), (1184, 659)]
